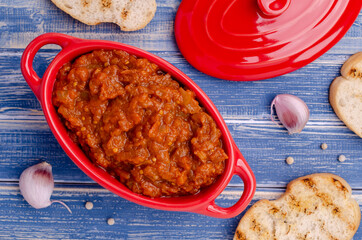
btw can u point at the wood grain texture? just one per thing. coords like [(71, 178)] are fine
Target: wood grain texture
[(131, 221), (244, 106), (25, 138)]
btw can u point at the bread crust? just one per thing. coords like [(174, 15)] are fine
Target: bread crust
[(334, 91), (352, 68), (266, 219)]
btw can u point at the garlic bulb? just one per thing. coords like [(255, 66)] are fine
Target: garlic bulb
[(36, 185), (292, 112)]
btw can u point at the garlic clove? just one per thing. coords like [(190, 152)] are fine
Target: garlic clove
[(36, 184), (352, 68), (292, 112)]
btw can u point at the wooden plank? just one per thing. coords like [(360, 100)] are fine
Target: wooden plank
[(21, 21), (131, 221), (42, 16), (25, 138), (244, 106)]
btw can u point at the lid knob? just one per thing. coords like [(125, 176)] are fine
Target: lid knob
[(273, 8)]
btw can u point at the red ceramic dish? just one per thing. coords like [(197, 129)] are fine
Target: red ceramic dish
[(246, 40), (203, 202)]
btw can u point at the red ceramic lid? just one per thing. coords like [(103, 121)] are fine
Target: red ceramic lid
[(247, 40)]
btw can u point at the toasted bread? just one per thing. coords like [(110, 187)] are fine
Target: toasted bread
[(130, 15), (345, 94), (317, 206)]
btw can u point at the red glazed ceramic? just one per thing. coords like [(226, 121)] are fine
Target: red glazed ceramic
[(247, 40), (204, 201)]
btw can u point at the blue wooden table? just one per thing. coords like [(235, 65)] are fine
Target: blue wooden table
[(25, 138)]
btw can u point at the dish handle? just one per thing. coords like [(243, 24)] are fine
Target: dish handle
[(33, 80), (243, 170)]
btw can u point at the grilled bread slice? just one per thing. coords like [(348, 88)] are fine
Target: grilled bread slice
[(317, 206), (130, 15), (345, 94)]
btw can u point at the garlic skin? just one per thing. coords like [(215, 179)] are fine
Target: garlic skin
[(292, 112), (37, 184)]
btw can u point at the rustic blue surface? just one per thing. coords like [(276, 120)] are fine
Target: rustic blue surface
[(25, 138)]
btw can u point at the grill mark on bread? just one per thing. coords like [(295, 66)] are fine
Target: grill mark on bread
[(326, 200), (352, 72), (276, 214), (339, 185), (274, 210), (124, 13), (85, 3), (294, 203), (306, 235), (331, 237), (355, 73), (255, 225), (302, 237), (336, 210), (324, 197), (289, 228), (240, 235), (106, 3), (309, 183), (263, 233), (323, 200)]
